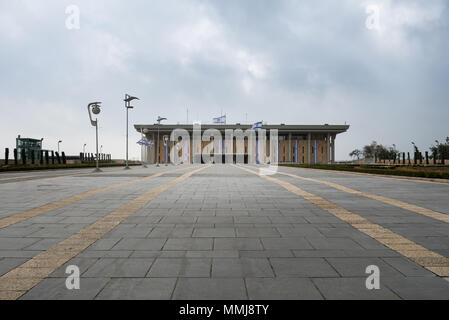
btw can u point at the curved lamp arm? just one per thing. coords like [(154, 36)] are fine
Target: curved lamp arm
[(93, 122)]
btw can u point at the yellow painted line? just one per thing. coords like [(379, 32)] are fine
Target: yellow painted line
[(27, 214), (18, 281), (397, 203), (428, 259)]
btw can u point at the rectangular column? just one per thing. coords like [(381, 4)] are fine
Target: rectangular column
[(333, 148), (328, 145), (309, 154), (290, 147)]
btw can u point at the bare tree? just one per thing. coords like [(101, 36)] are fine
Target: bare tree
[(356, 153)]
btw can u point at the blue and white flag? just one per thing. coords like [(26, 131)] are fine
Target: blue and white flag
[(257, 125), (143, 142), (220, 120)]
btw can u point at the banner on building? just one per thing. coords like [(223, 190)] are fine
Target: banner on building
[(296, 151)]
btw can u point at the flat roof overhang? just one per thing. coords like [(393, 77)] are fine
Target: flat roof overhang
[(299, 129)]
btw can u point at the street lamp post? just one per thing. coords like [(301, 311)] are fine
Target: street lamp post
[(159, 119), (84, 148), (128, 106), (95, 106), (60, 141)]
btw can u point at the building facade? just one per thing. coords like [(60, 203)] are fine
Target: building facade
[(303, 144), (30, 146)]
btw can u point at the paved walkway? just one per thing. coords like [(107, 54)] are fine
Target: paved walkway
[(222, 232)]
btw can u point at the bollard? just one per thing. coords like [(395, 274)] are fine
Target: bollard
[(6, 156)]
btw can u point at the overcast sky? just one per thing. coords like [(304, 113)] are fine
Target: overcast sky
[(293, 62)]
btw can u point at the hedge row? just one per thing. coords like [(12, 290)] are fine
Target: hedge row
[(62, 166), (384, 171)]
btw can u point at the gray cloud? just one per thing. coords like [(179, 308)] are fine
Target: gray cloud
[(279, 61)]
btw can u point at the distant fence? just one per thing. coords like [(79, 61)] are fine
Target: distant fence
[(49, 157), (91, 157), (407, 159)]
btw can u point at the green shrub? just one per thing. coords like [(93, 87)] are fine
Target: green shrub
[(383, 171)]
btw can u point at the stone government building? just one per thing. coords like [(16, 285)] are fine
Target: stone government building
[(304, 144)]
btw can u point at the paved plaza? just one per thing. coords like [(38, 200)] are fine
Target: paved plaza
[(221, 232)]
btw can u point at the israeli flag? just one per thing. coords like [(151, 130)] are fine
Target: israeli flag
[(257, 125), (220, 120), (143, 142)]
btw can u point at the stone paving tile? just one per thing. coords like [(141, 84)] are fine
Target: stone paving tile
[(212, 254), (286, 243), (351, 289), (422, 288), (138, 289), (241, 268), (252, 232), (16, 243), (119, 267), (105, 254), (333, 243), (7, 264), (303, 231), (356, 267), (213, 233), (180, 267), (189, 244), (266, 253), (237, 244), (282, 289), (139, 244), (210, 289), (55, 289), (302, 267), (18, 254), (103, 244), (82, 263), (44, 244), (171, 232), (407, 268)]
